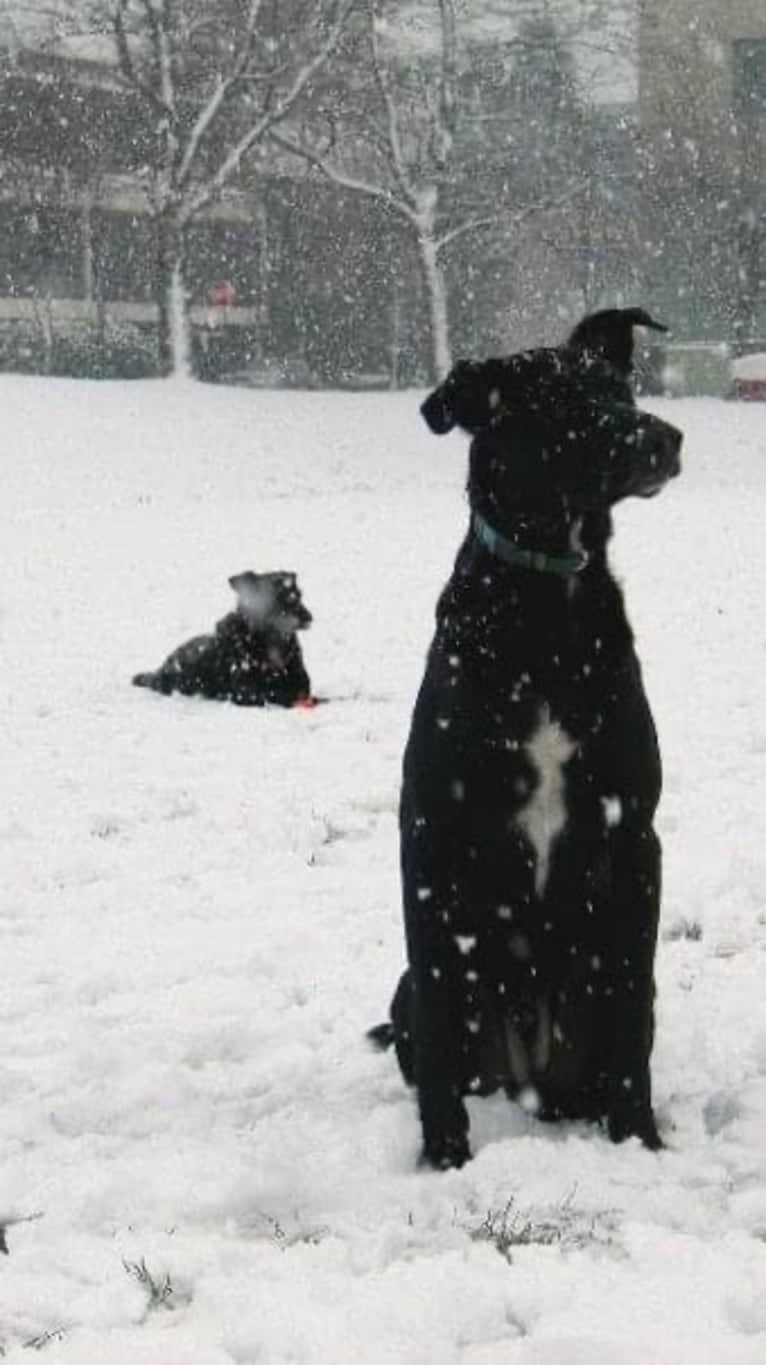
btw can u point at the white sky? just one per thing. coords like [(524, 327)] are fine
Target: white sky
[(603, 53), (603, 50)]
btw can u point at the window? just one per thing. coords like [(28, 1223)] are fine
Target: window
[(750, 75)]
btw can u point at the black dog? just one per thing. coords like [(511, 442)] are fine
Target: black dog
[(530, 866), (253, 658)]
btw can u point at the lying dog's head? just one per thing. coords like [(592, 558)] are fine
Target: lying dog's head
[(271, 601), (608, 336)]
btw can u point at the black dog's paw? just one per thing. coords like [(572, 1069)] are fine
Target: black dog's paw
[(626, 1122), (446, 1154)]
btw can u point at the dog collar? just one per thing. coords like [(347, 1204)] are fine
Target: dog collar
[(505, 549)]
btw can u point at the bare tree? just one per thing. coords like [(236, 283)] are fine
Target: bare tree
[(212, 81), (408, 137), (413, 143)]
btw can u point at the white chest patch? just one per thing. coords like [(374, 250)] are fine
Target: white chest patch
[(545, 814)]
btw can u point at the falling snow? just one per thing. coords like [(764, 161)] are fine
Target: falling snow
[(200, 913)]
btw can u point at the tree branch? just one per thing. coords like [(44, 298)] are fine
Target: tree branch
[(447, 83), (223, 89), (336, 176), (127, 67), (396, 157), (268, 118)]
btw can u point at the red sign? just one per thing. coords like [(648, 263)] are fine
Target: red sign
[(223, 294)]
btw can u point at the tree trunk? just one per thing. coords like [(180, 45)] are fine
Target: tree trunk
[(173, 324), (436, 291), (86, 226), (395, 349), (750, 241), (44, 315)]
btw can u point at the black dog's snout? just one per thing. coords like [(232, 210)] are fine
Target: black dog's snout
[(672, 440), (438, 413), (659, 456), (666, 449)]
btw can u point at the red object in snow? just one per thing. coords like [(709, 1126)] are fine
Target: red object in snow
[(223, 294), (306, 703)]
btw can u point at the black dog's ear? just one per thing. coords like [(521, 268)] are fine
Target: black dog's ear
[(240, 581), (438, 410), (608, 335), (638, 317), (453, 403), (437, 413)]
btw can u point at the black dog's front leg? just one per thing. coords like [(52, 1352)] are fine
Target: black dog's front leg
[(437, 1042), (636, 872), (438, 903), (424, 1052)]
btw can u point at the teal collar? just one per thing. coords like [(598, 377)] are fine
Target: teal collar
[(506, 550)]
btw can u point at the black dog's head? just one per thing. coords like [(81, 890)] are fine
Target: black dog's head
[(608, 335), (271, 602), (557, 428), (475, 394)]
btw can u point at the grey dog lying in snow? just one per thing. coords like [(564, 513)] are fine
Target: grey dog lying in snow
[(253, 657)]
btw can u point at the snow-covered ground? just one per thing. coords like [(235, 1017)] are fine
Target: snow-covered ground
[(202, 1161)]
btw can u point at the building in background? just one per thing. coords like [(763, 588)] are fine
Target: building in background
[(327, 283), (660, 201), (702, 104), (76, 247)]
